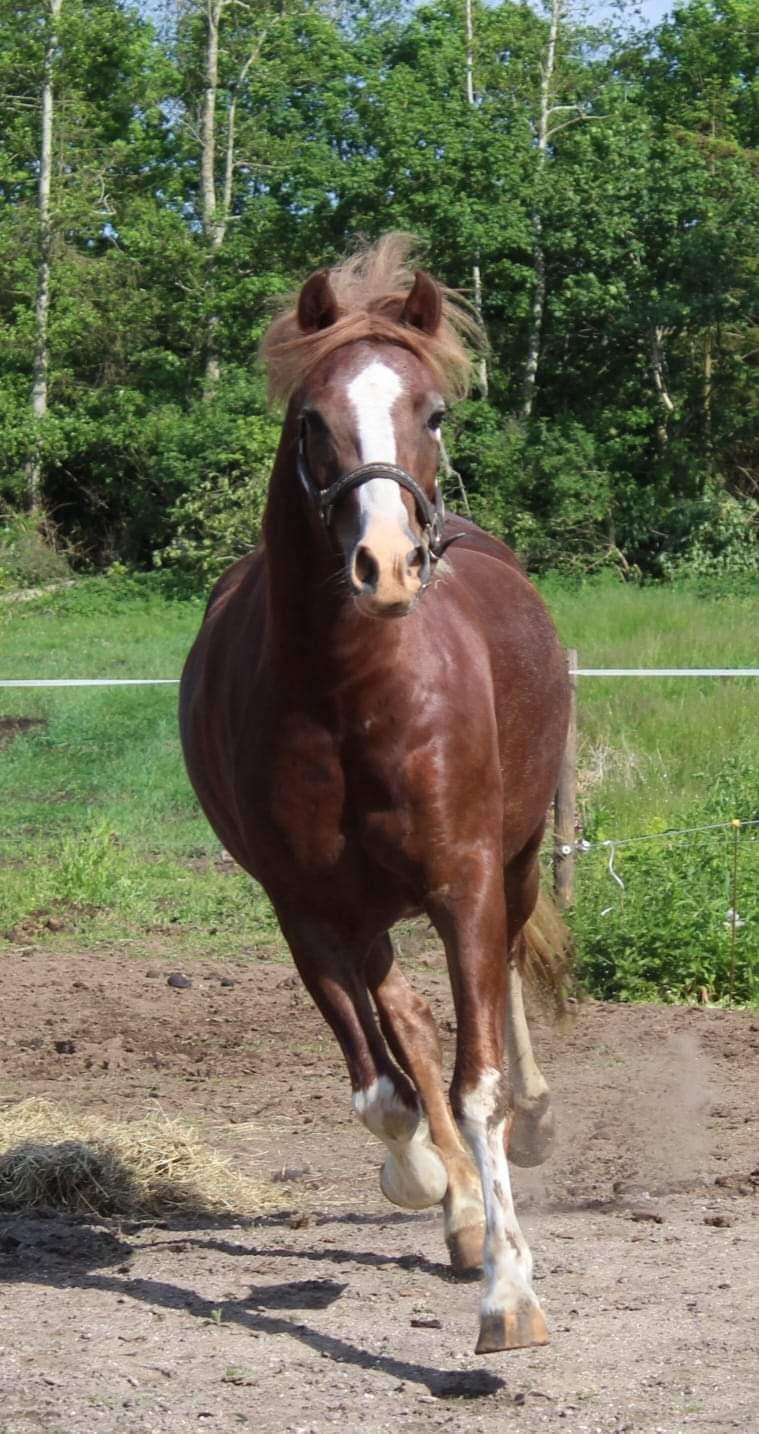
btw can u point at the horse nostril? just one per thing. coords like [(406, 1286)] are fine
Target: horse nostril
[(366, 569), (418, 563)]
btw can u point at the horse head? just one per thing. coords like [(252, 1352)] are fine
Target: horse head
[(369, 416)]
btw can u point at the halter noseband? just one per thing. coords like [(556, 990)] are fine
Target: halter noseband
[(431, 513)]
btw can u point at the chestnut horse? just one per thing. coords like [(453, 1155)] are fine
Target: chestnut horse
[(373, 716)]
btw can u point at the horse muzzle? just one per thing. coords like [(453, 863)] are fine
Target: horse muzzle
[(386, 571)]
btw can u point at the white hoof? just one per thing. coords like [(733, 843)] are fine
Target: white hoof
[(416, 1179)]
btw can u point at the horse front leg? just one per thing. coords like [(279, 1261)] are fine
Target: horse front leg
[(409, 1028), (471, 918), (384, 1100)]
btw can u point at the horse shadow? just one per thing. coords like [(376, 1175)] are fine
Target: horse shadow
[(61, 1251)]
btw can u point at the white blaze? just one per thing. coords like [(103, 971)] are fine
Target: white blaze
[(372, 394)]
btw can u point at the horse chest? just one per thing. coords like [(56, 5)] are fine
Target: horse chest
[(308, 792), (325, 792)]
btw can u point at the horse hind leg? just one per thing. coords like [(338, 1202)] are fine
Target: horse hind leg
[(383, 1098), (409, 1028), (532, 1130)]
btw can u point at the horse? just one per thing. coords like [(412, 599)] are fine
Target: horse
[(373, 716)]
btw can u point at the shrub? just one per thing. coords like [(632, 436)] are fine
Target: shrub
[(725, 544), (215, 461), (668, 934), (28, 554)]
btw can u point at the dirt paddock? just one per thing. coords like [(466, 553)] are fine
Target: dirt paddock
[(338, 1311)]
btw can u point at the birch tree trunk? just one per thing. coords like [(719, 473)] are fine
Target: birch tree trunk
[(658, 369), (532, 362), (708, 381), (215, 214), (213, 221), (482, 367), (41, 362)]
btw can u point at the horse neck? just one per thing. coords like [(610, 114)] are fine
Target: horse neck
[(305, 593)]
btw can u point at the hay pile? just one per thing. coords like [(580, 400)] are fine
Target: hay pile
[(53, 1157)]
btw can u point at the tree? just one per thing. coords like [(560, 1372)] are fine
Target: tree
[(42, 305), (100, 132), (605, 186), (546, 112)]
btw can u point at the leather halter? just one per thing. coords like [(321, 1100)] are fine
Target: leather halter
[(431, 512)]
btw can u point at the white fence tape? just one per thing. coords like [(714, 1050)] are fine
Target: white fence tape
[(664, 671), (92, 682), (574, 672)]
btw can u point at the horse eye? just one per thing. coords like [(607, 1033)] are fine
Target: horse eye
[(314, 422), (435, 419)]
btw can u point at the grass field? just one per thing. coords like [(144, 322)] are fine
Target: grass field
[(102, 837), (651, 747), (101, 829)]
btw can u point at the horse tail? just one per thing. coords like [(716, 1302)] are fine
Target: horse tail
[(548, 951)]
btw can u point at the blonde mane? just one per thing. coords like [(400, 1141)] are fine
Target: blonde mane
[(371, 287)]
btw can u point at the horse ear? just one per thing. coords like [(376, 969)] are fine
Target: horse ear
[(423, 308), (317, 305)]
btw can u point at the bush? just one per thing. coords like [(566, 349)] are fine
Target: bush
[(724, 545), (215, 461), (28, 555), (668, 935), (541, 486), (216, 522)]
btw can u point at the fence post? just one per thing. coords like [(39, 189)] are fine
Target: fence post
[(565, 803)]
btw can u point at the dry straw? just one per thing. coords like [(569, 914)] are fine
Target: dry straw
[(55, 1157)]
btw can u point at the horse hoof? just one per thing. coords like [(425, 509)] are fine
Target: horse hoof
[(521, 1328), (532, 1134), (465, 1248), (415, 1182)]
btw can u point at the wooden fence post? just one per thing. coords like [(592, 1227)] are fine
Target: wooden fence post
[(565, 803)]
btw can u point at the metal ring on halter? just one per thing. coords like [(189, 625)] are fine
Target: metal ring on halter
[(432, 513)]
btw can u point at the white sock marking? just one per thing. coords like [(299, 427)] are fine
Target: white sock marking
[(372, 394), (413, 1174), (508, 1262)]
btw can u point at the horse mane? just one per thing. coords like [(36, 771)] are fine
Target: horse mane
[(371, 287)]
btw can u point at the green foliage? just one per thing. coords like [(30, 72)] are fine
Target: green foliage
[(88, 871), (331, 123), (725, 545), (669, 933), (654, 754), (28, 556), (217, 461), (101, 830)]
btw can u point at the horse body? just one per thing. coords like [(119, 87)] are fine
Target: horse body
[(372, 742)]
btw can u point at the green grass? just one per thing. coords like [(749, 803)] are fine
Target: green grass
[(655, 753), (650, 747), (102, 832), (101, 829)]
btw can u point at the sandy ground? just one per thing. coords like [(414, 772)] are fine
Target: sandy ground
[(339, 1311)]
